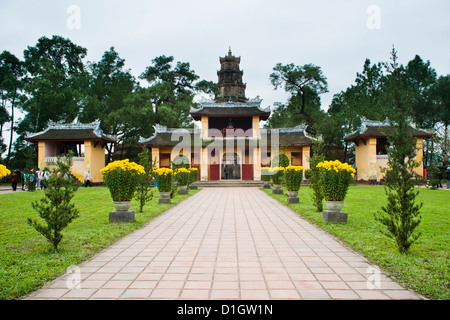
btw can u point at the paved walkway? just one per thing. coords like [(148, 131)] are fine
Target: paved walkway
[(226, 243)]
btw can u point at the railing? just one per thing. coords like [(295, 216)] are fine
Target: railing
[(52, 160), (231, 133), (382, 157)]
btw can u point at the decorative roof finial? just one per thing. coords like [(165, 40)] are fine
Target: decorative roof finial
[(229, 51)]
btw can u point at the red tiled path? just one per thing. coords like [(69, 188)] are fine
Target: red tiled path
[(227, 243)]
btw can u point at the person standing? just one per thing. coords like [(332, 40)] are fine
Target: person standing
[(14, 180), (447, 177), (88, 179)]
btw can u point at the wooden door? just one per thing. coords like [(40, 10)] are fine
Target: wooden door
[(247, 172), (214, 172)]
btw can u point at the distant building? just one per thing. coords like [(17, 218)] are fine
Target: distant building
[(371, 149), (230, 144), (86, 141)]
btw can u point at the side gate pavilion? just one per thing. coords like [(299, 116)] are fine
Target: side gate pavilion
[(86, 141), (230, 144), (371, 149)]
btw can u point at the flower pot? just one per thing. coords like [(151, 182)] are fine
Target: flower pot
[(183, 190), (164, 195), (292, 194), (121, 206), (334, 206)]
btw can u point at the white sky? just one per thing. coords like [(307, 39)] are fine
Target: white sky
[(331, 34)]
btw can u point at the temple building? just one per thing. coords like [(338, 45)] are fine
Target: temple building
[(371, 149), (86, 141), (230, 143)]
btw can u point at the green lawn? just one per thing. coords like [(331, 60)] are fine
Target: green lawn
[(426, 268), (26, 259)]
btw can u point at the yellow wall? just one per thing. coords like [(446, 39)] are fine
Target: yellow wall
[(366, 159), (370, 168), (205, 127), (94, 159)]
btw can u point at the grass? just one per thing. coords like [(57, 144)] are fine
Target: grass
[(425, 268), (27, 260)]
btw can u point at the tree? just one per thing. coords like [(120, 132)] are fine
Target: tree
[(304, 84), (317, 157), (55, 68), (171, 91), (144, 190), (108, 86), (55, 209), (12, 72), (442, 95), (401, 215)]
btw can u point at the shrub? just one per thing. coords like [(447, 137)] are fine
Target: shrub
[(121, 178), (265, 175), (55, 208), (293, 177), (164, 178), (335, 178), (181, 176), (144, 189), (276, 174), (193, 175)]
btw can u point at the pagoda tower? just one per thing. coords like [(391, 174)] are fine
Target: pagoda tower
[(231, 87)]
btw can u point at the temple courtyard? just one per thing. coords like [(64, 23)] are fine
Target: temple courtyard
[(226, 243)]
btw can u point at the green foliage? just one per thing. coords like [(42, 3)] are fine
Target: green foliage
[(144, 188), (182, 176), (164, 179), (401, 215), (318, 156), (293, 177), (55, 67), (304, 84), (280, 160), (121, 178), (56, 208), (335, 179), (193, 175)]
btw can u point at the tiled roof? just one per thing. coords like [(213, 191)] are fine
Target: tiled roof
[(376, 129), (71, 132)]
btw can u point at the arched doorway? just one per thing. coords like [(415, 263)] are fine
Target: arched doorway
[(231, 166)]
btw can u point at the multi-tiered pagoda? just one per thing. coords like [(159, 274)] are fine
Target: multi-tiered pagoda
[(229, 144)]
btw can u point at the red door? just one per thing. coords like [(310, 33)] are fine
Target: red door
[(247, 172), (214, 172)]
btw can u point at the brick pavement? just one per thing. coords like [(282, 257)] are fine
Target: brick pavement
[(226, 243)]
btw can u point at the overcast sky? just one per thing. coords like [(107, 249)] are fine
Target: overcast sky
[(335, 35)]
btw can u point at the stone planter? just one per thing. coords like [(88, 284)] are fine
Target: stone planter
[(122, 213), (277, 189), (183, 190), (292, 194), (334, 213), (165, 197), (334, 206), (122, 205), (292, 197)]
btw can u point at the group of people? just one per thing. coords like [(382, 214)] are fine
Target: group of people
[(32, 180), (38, 179)]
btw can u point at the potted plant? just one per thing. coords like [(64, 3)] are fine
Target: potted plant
[(164, 177), (276, 176), (265, 176), (121, 178), (293, 177), (182, 177), (335, 178), (193, 176)]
